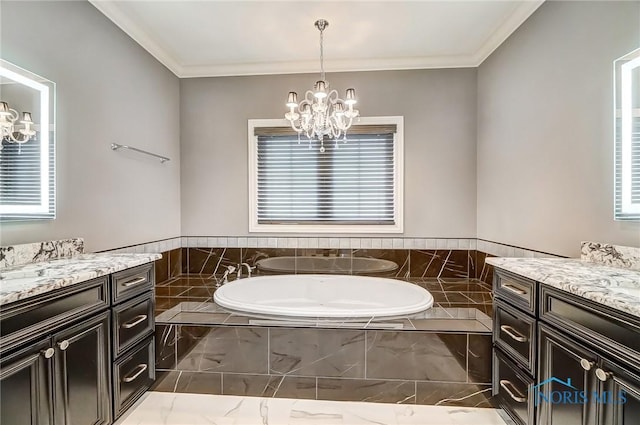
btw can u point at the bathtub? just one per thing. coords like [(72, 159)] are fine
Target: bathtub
[(333, 265), (330, 296)]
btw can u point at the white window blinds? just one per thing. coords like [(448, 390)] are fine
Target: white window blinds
[(351, 184), (22, 192)]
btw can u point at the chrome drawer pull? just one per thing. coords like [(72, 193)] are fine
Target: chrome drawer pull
[(48, 353), (136, 320), (512, 391), (63, 345), (134, 281), (515, 290), (140, 368), (514, 334)]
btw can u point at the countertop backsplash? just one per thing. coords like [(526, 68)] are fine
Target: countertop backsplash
[(17, 255), (627, 257)]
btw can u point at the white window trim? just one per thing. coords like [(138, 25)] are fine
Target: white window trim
[(397, 227)]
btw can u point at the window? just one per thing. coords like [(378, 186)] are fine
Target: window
[(627, 137), (354, 188), (27, 170)]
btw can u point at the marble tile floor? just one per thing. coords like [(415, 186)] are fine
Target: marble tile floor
[(195, 409)]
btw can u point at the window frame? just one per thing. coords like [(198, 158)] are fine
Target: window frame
[(398, 217)]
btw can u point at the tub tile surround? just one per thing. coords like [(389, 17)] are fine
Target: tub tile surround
[(411, 263), (336, 364), (17, 255)]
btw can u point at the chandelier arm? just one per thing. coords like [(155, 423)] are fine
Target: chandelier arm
[(296, 129), (11, 138), (333, 97), (308, 97), (14, 115)]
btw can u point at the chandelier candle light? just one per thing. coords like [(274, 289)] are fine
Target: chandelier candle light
[(10, 132), (322, 113)]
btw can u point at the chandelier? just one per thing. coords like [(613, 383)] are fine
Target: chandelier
[(322, 113), (10, 132)]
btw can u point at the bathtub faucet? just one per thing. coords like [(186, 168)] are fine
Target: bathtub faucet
[(225, 276), (249, 269)]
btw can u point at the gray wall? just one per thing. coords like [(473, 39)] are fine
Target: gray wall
[(545, 148), (439, 108), (109, 89)]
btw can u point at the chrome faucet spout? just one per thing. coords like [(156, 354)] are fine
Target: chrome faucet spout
[(249, 268)]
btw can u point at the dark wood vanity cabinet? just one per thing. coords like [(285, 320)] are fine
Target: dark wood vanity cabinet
[(62, 379), (585, 368), (57, 368)]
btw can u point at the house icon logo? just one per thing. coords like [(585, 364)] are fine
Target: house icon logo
[(566, 383), (557, 391)]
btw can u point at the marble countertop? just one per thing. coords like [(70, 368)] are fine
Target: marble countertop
[(614, 287), (28, 280)]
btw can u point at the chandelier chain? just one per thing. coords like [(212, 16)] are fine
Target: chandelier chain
[(321, 55)]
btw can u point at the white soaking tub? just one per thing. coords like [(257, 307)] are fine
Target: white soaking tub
[(319, 296)]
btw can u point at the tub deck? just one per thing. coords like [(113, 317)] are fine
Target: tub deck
[(441, 356), (459, 305)]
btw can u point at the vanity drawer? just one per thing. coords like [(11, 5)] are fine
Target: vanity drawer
[(133, 321), (518, 290), (611, 331), (131, 282), (511, 388), (133, 374), (24, 319), (515, 333)]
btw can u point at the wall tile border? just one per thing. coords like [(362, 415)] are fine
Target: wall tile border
[(489, 247), (472, 244)]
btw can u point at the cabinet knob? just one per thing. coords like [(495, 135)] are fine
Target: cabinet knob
[(63, 345), (602, 375), (48, 353), (586, 364)]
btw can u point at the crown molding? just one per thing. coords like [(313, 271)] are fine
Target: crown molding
[(137, 33), (332, 66), (508, 27)]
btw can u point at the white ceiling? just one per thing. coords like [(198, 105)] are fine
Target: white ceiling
[(215, 38)]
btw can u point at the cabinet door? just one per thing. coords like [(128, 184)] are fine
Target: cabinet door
[(81, 373), (25, 380), (565, 370), (616, 381)]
